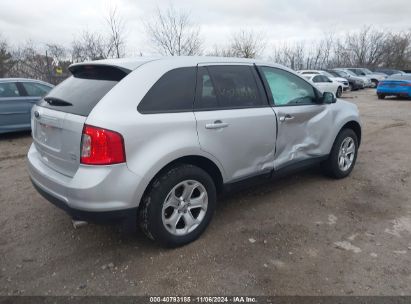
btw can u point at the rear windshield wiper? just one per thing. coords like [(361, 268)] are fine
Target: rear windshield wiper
[(57, 102)]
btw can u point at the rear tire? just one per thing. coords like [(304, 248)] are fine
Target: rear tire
[(343, 156), (381, 96), (351, 87), (178, 205)]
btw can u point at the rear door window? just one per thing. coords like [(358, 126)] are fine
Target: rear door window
[(173, 92), (228, 87), (317, 79), (80, 93), (206, 93), (9, 89)]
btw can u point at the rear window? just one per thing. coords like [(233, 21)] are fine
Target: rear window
[(80, 93)]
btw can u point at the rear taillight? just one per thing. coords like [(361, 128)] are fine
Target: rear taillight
[(405, 84), (101, 147)]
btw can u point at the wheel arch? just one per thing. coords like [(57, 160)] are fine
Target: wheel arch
[(355, 126), (200, 161)]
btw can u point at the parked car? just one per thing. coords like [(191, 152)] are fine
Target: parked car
[(325, 84), (388, 71), (375, 77), (354, 83), (366, 81), (160, 138), (17, 96), (395, 85), (343, 81)]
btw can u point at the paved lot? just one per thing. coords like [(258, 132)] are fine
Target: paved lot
[(313, 235)]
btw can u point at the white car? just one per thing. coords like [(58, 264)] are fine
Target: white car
[(343, 81), (325, 84)]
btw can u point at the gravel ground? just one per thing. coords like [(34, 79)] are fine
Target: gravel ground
[(301, 235)]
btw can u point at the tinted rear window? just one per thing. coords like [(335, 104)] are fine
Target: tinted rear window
[(173, 92), (236, 86), (82, 91)]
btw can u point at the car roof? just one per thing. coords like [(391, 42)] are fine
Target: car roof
[(25, 80), (406, 77), (311, 75), (133, 63)]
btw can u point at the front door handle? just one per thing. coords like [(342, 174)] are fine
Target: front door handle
[(286, 117), (218, 124)]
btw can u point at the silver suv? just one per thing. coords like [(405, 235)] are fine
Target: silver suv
[(154, 141)]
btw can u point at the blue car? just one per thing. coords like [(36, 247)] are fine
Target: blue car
[(395, 85), (17, 96)]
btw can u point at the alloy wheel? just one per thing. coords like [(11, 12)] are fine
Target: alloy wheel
[(185, 207), (346, 154)]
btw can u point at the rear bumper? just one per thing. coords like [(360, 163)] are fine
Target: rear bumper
[(89, 216), (93, 192)]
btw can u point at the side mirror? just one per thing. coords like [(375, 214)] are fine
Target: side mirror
[(328, 98)]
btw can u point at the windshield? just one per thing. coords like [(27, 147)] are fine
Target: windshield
[(350, 73), (340, 73), (327, 74), (366, 71)]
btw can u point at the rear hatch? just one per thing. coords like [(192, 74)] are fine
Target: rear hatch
[(58, 119)]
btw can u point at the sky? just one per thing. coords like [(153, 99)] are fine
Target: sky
[(61, 21)]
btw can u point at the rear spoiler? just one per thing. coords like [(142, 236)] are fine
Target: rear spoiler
[(98, 71)]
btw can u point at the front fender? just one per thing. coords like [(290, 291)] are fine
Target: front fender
[(345, 112)]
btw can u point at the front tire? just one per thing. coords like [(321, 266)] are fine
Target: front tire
[(343, 156), (178, 205), (338, 94), (381, 96)]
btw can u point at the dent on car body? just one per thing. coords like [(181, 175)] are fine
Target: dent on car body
[(310, 133)]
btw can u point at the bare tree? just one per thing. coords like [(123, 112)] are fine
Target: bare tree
[(172, 33), (247, 44), (365, 47), (221, 52), (89, 46), (291, 55), (6, 58), (397, 52), (58, 61), (368, 47), (30, 62), (116, 40)]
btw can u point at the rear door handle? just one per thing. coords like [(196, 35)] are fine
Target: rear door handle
[(218, 124), (286, 117)]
